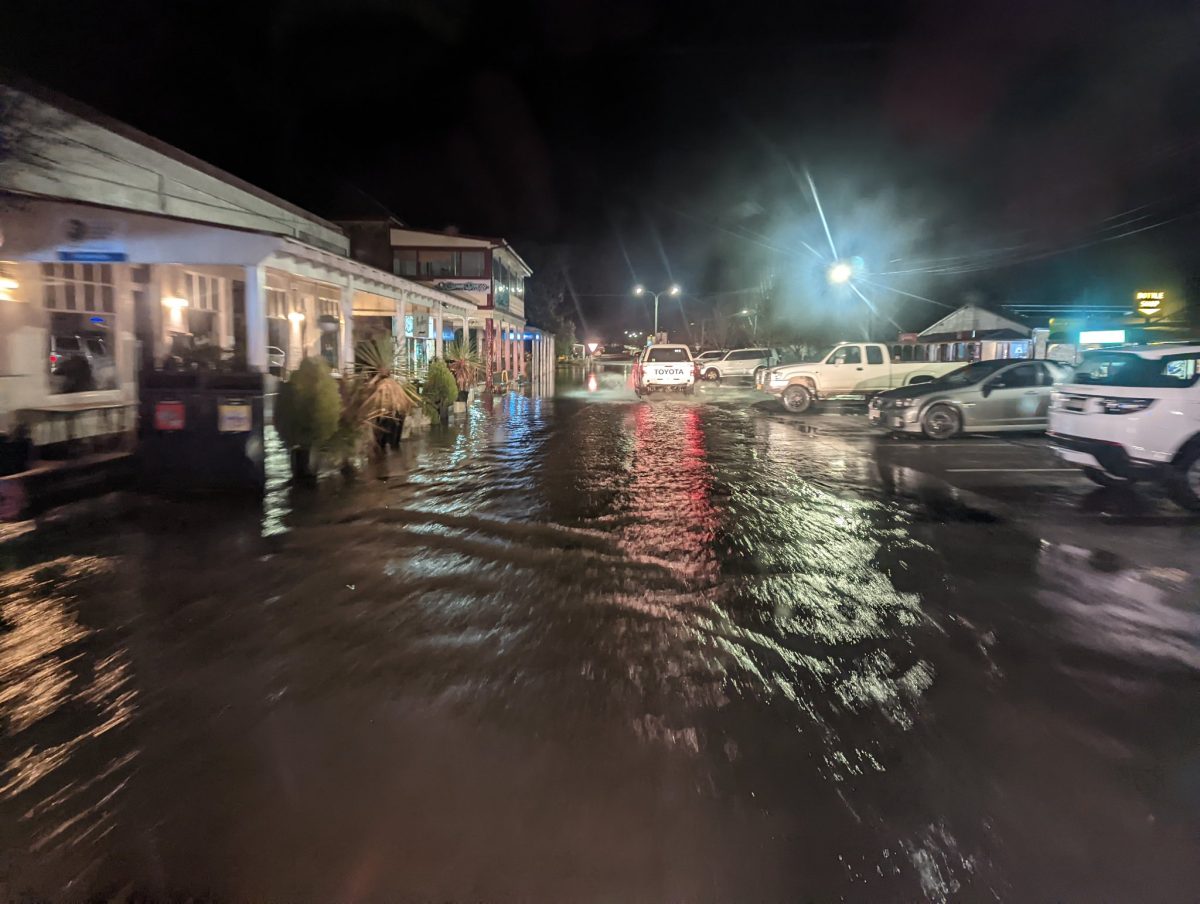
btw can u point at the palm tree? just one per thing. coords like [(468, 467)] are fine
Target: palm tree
[(375, 399), (465, 363)]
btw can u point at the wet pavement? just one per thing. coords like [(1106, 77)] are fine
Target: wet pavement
[(594, 649)]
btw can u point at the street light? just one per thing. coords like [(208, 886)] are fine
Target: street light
[(840, 272), (673, 289)]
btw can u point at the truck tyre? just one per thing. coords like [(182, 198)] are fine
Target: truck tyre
[(712, 375), (1183, 482), (1104, 479), (797, 399), (941, 422)]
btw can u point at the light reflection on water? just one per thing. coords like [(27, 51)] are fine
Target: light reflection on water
[(686, 651), (62, 773)]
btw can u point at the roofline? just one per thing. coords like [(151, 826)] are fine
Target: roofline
[(493, 240), (16, 82)]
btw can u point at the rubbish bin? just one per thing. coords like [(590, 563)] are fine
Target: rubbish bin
[(201, 431)]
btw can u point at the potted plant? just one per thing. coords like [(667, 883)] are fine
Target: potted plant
[(440, 390), (465, 365), (306, 413)]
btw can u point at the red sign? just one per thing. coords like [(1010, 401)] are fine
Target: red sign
[(169, 416)]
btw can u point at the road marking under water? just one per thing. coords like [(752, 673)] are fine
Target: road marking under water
[(1013, 470), (927, 445)]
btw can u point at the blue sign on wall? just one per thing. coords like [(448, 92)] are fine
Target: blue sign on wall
[(93, 257)]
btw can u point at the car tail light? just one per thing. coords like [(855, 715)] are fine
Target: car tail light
[(1117, 405), (53, 359)]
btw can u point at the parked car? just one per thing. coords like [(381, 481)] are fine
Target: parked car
[(986, 396), (850, 370), (665, 367), (739, 362), (276, 361), (1134, 414)]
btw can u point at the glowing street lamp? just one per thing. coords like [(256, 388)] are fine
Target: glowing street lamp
[(840, 273), (673, 289)]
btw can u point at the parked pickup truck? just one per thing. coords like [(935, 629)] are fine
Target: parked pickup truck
[(850, 370)]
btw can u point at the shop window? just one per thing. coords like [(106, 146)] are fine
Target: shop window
[(79, 287), (80, 356), (329, 322), (203, 292), (81, 301), (437, 263), (472, 264), (404, 262), (277, 303)]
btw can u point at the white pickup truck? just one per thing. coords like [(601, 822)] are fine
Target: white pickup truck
[(850, 370)]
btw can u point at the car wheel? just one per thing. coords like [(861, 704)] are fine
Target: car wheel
[(1183, 484), (712, 375), (797, 399), (1104, 479), (941, 422)]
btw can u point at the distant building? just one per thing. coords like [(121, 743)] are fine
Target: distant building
[(486, 272), (971, 333)]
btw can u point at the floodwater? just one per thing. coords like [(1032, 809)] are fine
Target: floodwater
[(594, 649)]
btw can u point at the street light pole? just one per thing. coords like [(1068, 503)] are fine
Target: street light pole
[(672, 290)]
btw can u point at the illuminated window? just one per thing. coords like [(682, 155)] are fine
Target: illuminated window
[(79, 287)]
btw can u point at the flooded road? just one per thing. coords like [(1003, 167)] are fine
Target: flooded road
[(594, 649)]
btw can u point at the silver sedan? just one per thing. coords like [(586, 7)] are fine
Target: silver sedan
[(991, 396)]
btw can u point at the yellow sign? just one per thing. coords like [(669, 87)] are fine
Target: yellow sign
[(1149, 303)]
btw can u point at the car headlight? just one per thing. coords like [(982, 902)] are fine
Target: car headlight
[(1124, 406), (904, 403)]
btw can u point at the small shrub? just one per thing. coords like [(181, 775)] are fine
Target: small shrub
[(308, 405), (440, 390)]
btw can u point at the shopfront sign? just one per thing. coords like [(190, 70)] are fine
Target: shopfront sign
[(1149, 304), (462, 285), (234, 416), (1102, 337), (169, 415), (90, 241)]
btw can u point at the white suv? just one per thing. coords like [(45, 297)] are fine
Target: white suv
[(1131, 414), (741, 362)]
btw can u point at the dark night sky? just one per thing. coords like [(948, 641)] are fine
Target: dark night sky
[(969, 145)]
